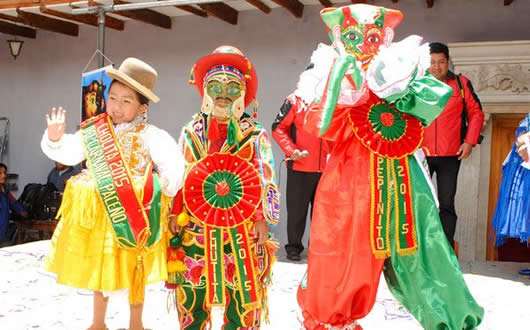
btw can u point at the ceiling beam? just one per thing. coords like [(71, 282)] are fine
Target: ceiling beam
[(222, 11), (295, 7), (17, 30), (144, 15), (193, 10), (12, 4), (326, 3), (49, 24), (260, 5), (10, 18), (508, 2), (430, 3), (110, 22)]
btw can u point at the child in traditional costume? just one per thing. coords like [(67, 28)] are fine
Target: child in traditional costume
[(375, 210), (222, 255), (113, 231)]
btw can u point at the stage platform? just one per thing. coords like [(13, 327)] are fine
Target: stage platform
[(30, 298)]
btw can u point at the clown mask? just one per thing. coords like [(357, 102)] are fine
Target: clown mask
[(361, 30), (363, 41), (224, 93)]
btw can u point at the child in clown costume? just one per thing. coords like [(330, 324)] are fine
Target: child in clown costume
[(372, 98), (221, 254), (113, 229)]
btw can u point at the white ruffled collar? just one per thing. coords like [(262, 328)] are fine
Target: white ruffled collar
[(122, 127)]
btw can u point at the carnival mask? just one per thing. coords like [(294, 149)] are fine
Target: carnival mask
[(224, 93), (363, 41), (361, 29)]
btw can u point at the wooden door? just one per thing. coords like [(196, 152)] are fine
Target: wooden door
[(502, 138)]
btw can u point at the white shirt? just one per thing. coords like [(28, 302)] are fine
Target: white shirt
[(164, 151)]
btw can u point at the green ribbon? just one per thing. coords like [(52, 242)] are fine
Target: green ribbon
[(154, 212), (424, 99)]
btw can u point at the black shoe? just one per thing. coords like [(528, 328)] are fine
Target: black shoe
[(293, 257)]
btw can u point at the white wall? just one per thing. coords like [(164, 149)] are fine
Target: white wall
[(47, 73)]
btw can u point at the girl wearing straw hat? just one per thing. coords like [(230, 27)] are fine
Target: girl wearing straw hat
[(113, 217)]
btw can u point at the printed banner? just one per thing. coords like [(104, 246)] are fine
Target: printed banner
[(94, 92)]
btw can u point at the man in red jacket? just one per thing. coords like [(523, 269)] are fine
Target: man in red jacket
[(307, 156), (452, 136)]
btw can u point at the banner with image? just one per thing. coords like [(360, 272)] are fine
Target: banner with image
[(94, 91)]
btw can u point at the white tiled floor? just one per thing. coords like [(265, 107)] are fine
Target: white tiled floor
[(30, 299)]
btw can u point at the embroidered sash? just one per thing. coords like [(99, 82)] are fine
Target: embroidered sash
[(222, 192), (391, 192), (134, 225)]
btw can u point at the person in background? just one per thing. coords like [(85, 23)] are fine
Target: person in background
[(7, 202), (307, 156), (450, 138), (60, 174)]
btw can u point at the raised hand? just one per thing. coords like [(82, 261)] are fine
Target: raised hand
[(56, 124)]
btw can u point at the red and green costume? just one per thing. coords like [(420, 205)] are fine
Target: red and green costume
[(229, 185), (374, 207)]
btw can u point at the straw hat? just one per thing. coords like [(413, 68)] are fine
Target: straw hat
[(137, 75)]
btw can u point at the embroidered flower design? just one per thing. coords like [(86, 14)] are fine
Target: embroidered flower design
[(230, 268), (195, 270)]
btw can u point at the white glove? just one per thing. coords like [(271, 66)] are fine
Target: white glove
[(312, 81)]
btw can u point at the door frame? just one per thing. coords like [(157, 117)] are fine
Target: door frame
[(498, 121)]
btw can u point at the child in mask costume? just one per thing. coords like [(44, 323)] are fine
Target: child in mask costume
[(221, 255)]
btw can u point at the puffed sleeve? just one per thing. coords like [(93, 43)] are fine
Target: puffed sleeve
[(398, 74), (168, 159), (68, 150)]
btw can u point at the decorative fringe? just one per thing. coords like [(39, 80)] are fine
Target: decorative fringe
[(175, 260), (255, 109), (265, 278), (137, 289), (233, 132), (213, 130), (176, 266), (82, 205), (249, 70), (174, 280), (192, 76)]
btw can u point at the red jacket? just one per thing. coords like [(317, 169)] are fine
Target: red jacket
[(443, 136), (289, 134)]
